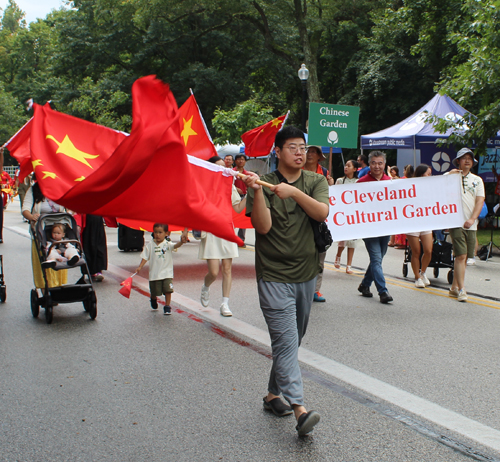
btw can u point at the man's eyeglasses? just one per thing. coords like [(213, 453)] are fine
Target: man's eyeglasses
[(293, 148)]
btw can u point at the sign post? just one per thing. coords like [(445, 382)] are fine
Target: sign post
[(333, 125)]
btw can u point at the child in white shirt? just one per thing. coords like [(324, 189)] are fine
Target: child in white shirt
[(161, 266)]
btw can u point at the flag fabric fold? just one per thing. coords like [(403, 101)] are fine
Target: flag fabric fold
[(260, 140), (144, 176)]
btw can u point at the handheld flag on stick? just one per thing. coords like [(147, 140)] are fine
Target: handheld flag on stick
[(127, 286), (194, 132), (260, 141)]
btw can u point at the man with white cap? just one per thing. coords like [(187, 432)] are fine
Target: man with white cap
[(464, 238)]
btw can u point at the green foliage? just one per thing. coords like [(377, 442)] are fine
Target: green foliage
[(475, 82), (240, 58), (12, 118), (245, 116)]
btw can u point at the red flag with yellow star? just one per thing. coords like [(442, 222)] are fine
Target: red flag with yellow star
[(259, 141), (194, 133), (19, 148), (144, 176), (126, 287), (67, 149)]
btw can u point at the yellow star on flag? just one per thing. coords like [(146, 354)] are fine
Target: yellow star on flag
[(36, 163), (49, 175), (67, 148), (275, 123), (187, 131), (80, 179)]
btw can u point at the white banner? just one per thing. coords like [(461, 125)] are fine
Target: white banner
[(381, 208)]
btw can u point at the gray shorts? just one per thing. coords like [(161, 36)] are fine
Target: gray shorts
[(161, 287)]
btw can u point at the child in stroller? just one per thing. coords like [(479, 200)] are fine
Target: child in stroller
[(57, 250)]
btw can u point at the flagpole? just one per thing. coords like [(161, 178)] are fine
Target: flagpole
[(262, 183)]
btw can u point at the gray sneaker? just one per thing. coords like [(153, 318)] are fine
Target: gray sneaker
[(453, 293), (462, 296)]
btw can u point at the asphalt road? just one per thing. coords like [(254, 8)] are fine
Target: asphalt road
[(416, 380)]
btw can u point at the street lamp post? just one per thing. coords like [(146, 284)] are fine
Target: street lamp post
[(303, 76)]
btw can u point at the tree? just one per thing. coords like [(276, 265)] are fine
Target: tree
[(473, 79), (232, 124)]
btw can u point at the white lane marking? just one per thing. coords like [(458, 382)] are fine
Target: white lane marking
[(18, 230), (428, 410)]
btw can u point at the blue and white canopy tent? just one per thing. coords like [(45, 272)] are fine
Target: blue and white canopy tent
[(419, 136)]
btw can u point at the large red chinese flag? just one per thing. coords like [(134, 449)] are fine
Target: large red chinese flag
[(260, 140), (146, 176), (194, 133), (66, 150), (19, 148)]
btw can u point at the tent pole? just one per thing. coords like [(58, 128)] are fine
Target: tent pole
[(414, 153)]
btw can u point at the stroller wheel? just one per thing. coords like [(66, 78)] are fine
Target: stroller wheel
[(48, 309), (48, 314), (3, 294), (35, 307), (405, 269), (450, 276), (436, 272), (92, 305)]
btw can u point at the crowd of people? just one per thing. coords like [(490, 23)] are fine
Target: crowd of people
[(288, 264)]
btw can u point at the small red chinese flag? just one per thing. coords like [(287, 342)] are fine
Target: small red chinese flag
[(127, 287), (260, 140), (194, 133), (19, 148)]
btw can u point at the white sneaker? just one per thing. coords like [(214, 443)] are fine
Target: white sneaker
[(462, 295), (471, 262), (424, 278), (419, 283), (224, 310), (205, 295)]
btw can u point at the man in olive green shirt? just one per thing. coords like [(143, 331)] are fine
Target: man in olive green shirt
[(287, 263)]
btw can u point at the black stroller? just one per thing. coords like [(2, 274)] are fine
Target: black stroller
[(81, 291), (3, 288), (442, 257)]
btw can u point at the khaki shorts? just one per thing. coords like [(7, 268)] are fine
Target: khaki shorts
[(464, 241), (161, 287)]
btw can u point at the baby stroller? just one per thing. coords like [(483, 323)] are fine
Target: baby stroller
[(442, 257), (81, 291)]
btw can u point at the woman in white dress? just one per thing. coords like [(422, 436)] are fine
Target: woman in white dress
[(350, 176), (217, 252)]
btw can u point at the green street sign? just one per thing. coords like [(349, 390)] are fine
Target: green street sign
[(333, 125)]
